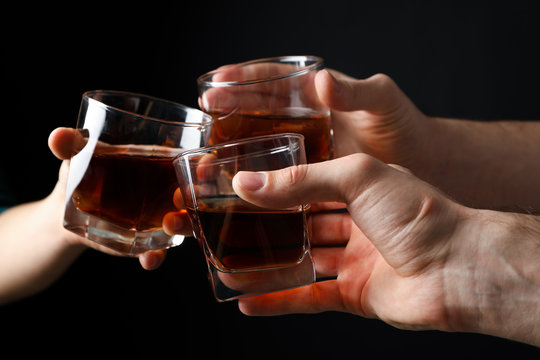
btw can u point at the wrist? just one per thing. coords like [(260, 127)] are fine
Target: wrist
[(492, 283), (433, 150), (462, 162), (474, 162), (54, 205), (443, 154), (34, 247)]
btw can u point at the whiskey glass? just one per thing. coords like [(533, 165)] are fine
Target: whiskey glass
[(122, 179), (268, 96), (249, 250)]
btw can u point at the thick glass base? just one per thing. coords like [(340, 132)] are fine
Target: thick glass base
[(124, 241), (239, 284)]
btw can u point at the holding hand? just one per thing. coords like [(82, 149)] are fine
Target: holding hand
[(375, 117), (404, 253), (387, 253), (64, 143)]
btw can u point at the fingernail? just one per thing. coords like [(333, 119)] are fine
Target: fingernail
[(251, 181)]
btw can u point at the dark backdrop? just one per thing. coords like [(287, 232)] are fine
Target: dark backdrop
[(476, 61)]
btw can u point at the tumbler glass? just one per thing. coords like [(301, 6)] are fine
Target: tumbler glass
[(268, 96), (122, 179), (249, 250)]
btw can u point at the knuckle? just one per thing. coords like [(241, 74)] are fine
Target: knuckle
[(426, 208), (384, 93), (294, 175), (363, 162), (383, 80), (386, 84), (366, 172)]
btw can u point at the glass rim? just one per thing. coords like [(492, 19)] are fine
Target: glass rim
[(205, 118), (185, 155), (318, 63)]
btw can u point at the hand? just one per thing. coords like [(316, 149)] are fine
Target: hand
[(64, 143), (266, 97), (375, 117), (462, 158), (387, 253), (404, 252), (372, 116)]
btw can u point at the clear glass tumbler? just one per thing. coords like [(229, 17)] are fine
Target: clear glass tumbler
[(249, 250), (268, 96), (122, 179)]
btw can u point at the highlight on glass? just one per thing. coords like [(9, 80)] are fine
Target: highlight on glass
[(268, 96), (249, 250), (122, 179)]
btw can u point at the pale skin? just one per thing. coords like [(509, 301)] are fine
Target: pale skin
[(405, 253), (416, 249), (32, 257)]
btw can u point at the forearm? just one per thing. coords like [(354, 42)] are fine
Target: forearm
[(493, 284), (491, 165), (34, 248)]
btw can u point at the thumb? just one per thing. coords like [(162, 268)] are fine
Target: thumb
[(378, 93), (66, 142), (340, 180), (291, 186), (400, 214)]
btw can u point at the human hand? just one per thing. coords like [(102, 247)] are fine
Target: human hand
[(375, 117), (268, 96), (369, 115), (64, 143), (404, 252), (387, 252)]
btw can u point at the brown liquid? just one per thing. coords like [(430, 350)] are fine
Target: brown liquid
[(316, 130), (241, 235), (134, 191)]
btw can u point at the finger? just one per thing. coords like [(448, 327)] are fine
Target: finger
[(327, 260), (330, 229), (338, 180), (342, 180), (401, 168), (203, 190), (401, 215), (318, 297), (258, 93), (151, 260), (378, 94), (62, 178), (221, 97), (66, 142), (178, 200), (255, 72), (327, 206), (207, 170), (227, 101), (177, 223)]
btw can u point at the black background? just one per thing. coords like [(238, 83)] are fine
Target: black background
[(478, 60)]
